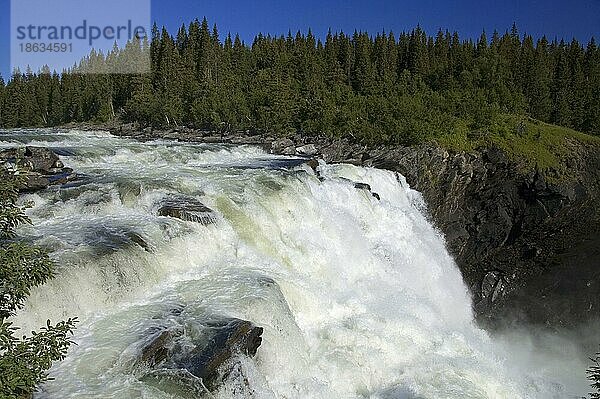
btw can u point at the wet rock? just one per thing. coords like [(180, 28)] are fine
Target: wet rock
[(365, 186), (139, 240), (40, 166), (313, 164), (308, 149), (282, 145), (204, 350), (362, 186), (188, 209), (230, 337), (42, 159), (156, 351), (35, 182)]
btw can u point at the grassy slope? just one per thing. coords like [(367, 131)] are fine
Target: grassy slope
[(529, 143)]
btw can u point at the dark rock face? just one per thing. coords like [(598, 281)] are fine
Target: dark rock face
[(215, 344), (40, 166), (188, 209), (102, 240), (529, 249), (229, 338)]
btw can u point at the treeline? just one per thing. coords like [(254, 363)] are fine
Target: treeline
[(384, 88)]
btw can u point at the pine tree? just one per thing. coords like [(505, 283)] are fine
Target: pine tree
[(355, 85)]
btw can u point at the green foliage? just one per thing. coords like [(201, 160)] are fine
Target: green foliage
[(531, 144), (376, 89), (594, 376), (24, 361)]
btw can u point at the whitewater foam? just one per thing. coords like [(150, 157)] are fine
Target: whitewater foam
[(358, 296)]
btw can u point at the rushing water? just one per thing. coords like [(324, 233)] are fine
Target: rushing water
[(367, 302)]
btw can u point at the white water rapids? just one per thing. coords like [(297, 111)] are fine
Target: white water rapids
[(367, 301)]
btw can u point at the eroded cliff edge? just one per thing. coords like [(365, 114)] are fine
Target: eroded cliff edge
[(528, 246)]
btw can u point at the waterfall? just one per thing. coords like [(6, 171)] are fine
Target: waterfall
[(357, 296)]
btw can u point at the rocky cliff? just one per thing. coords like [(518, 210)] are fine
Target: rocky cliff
[(528, 248)]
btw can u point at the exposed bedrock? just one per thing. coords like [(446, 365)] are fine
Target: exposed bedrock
[(528, 248), (40, 167)]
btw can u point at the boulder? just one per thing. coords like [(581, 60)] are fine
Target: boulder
[(313, 163), (206, 350), (42, 159), (188, 209), (308, 149), (35, 182), (230, 337), (281, 145), (288, 151), (40, 166), (156, 350)]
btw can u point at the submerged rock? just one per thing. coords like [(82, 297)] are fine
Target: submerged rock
[(156, 351), (139, 240), (230, 337), (188, 209), (209, 357), (365, 186)]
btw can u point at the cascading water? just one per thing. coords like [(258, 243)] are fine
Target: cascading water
[(366, 302)]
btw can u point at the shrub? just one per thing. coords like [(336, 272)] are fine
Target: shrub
[(24, 361)]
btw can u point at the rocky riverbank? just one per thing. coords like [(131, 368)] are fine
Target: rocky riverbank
[(528, 245), (40, 167)]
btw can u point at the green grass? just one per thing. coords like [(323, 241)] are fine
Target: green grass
[(529, 143)]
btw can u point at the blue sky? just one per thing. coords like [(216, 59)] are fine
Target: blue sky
[(563, 19)]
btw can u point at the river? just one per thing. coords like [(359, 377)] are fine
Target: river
[(367, 302)]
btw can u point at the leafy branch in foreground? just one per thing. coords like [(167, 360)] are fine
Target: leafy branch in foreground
[(25, 361), (594, 376)]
